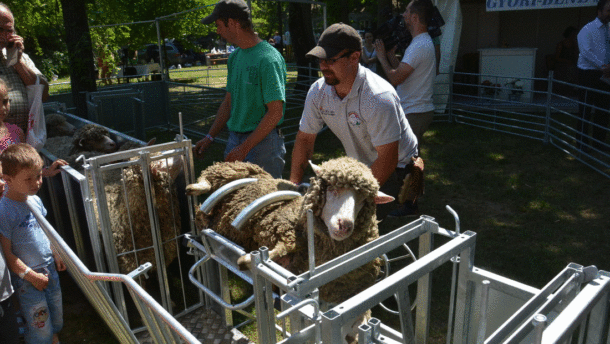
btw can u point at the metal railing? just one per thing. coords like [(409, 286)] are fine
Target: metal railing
[(162, 327), (550, 112)]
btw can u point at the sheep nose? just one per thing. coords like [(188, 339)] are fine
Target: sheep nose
[(345, 225)]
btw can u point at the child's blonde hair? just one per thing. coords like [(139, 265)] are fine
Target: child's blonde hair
[(18, 157)]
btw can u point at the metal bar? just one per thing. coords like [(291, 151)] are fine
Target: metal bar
[(552, 301), (424, 286), (264, 304), (358, 304), (483, 310), (571, 317), (217, 195), (310, 243), (530, 306), (279, 196), (361, 255)]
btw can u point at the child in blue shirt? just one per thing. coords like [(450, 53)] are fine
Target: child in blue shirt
[(26, 248)]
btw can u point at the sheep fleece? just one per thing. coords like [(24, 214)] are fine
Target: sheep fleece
[(284, 223)]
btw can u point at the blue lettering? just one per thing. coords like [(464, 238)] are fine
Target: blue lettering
[(501, 3), (525, 3), (559, 2), (582, 1), (512, 3), (547, 2), (491, 3)]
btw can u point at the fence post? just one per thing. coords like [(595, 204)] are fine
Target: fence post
[(450, 100), (549, 98)]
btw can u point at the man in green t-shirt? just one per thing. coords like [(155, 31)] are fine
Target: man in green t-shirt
[(256, 92)]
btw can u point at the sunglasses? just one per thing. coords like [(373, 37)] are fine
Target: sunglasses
[(333, 60)]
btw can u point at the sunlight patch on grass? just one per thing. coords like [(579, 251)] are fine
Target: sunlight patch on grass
[(437, 178), (494, 222), (589, 214), (553, 249), (496, 156), (566, 217), (539, 205)]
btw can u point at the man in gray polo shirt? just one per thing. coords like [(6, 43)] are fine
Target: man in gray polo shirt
[(362, 110)]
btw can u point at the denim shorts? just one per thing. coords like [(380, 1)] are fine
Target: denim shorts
[(42, 310), (268, 154)]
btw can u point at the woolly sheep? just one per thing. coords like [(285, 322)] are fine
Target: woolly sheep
[(128, 210), (282, 226), (57, 125), (93, 137)]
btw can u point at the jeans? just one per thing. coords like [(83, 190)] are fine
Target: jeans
[(268, 154), (42, 310)]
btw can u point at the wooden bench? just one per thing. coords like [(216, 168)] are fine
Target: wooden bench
[(212, 59)]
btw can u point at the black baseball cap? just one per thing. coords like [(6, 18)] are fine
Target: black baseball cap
[(234, 9), (335, 39)]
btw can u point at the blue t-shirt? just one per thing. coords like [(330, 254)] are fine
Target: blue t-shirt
[(28, 241)]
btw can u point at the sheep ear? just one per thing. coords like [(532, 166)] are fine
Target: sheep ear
[(315, 168), (151, 142), (80, 142), (383, 198)]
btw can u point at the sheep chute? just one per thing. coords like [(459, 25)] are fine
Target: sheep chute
[(140, 216)]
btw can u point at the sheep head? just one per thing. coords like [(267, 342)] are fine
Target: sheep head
[(340, 191), (93, 137), (57, 125)]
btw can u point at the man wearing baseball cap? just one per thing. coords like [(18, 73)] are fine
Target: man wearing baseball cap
[(256, 93), (362, 110)]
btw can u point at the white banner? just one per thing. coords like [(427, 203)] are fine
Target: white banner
[(512, 5), (450, 41)]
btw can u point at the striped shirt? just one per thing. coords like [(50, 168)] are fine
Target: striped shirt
[(17, 91)]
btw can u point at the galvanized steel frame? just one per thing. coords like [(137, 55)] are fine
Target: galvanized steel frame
[(94, 169), (163, 327)]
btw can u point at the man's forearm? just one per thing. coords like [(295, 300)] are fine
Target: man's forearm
[(28, 76), (301, 154), (382, 170)]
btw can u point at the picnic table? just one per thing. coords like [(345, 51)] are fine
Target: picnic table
[(141, 71), (213, 58)]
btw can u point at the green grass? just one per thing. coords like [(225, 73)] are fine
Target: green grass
[(213, 76)]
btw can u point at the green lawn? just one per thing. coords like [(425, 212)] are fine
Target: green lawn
[(213, 76)]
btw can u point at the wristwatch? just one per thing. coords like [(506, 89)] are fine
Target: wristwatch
[(22, 274)]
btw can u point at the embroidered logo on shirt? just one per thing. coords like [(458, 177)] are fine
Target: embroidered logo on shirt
[(354, 119), (324, 112)]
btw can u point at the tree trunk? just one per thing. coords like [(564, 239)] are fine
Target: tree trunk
[(80, 52), (301, 33)]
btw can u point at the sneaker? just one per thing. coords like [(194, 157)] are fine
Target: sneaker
[(407, 209)]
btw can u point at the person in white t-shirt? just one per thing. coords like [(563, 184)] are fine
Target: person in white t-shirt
[(363, 110), (414, 76)]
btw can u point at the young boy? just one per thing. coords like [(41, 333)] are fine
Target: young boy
[(26, 248)]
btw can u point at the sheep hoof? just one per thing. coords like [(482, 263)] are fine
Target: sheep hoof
[(198, 188), (244, 261)]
